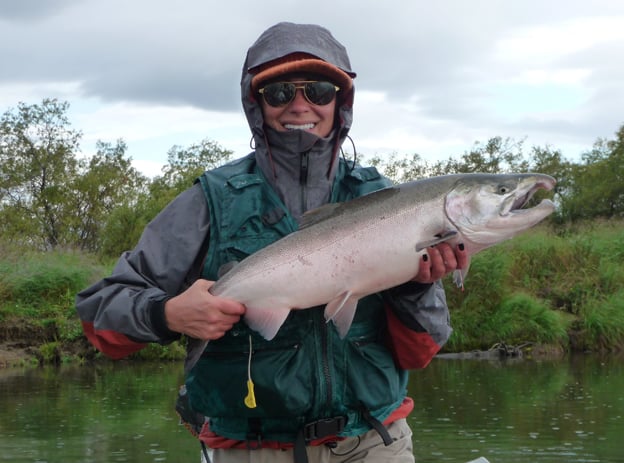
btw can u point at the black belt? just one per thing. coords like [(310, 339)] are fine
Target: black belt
[(331, 427), (316, 430)]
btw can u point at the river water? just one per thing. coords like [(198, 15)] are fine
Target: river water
[(569, 410)]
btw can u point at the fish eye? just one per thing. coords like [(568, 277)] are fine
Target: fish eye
[(503, 189)]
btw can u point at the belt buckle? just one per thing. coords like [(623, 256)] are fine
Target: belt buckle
[(323, 428)]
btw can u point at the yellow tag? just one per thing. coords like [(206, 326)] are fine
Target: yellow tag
[(250, 400)]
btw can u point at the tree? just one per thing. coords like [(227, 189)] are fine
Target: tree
[(496, 156), (598, 183), (37, 163), (126, 223), (107, 181), (545, 160), (184, 166), (401, 170)]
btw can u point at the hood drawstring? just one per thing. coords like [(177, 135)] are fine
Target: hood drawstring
[(354, 153), (350, 166)]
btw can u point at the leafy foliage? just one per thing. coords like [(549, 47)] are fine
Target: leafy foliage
[(37, 164), (596, 188), (107, 182), (592, 189), (542, 287), (49, 198), (125, 223)]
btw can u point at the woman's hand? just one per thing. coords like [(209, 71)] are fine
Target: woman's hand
[(199, 314), (439, 261)]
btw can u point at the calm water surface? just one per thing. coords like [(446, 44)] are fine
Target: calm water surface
[(568, 410), (520, 411)]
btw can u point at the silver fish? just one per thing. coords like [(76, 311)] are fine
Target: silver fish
[(343, 252)]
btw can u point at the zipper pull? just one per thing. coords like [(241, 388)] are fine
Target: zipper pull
[(303, 172), (250, 400)]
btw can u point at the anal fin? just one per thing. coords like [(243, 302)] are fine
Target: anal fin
[(341, 311)]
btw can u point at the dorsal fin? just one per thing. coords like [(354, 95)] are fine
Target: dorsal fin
[(226, 268)]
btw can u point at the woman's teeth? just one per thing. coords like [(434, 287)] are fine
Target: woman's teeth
[(299, 127)]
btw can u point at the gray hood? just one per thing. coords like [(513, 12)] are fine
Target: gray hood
[(283, 162)]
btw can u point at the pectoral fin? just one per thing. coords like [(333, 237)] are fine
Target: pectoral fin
[(267, 322), (437, 239), (341, 311)]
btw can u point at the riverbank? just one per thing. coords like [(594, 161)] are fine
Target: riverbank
[(553, 291), (44, 348)]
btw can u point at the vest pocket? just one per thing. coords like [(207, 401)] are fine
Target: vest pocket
[(282, 379), (381, 386)]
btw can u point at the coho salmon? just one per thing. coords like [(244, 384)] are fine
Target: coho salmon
[(345, 251)]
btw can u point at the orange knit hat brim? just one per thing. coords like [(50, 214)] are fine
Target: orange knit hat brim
[(305, 65)]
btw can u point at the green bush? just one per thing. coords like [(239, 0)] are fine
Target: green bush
[(544, 287), (602, 324), (562, 288)]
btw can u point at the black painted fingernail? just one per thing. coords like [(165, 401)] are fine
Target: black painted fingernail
[(461, 246), (425, 257)]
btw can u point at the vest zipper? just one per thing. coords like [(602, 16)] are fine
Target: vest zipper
[(325, 368), (303, 181), (304, 168), (303, 178)]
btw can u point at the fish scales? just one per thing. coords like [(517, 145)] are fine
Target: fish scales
[(346, 251)]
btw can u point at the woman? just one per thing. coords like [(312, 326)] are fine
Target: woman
[(317, 396)]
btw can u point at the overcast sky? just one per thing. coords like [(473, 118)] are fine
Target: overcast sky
[(433, 77)]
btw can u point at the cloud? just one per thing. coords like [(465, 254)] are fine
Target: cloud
[(432, 77), (30, 10)]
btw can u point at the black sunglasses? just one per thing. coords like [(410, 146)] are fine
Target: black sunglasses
[(317, 92)]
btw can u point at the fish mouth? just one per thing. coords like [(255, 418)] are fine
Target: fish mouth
[(526, 190), (497, 209)]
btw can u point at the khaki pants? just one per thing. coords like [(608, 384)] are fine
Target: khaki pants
[(367, 448)]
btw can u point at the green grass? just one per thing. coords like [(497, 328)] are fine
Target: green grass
[(601, 326), (547, 287), (40, 288), (37, 297), (562, 288)]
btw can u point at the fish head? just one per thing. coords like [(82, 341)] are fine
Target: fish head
[(489, 208)]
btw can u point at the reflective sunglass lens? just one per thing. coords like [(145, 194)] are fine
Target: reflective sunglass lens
[(320, 93), (316, 92), (279, 93)]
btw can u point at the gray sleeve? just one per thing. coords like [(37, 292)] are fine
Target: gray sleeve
[(423, 308), (166, 260)]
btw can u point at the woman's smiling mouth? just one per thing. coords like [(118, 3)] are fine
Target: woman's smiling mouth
[(308, 126)]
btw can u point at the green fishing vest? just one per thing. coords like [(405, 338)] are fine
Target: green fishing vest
[(306, 373)]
